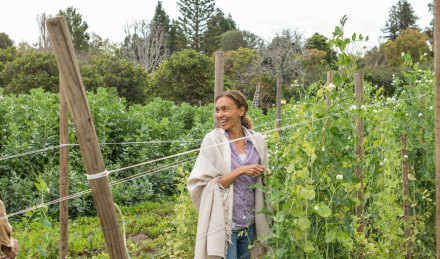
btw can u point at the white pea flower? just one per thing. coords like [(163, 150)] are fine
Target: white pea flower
[(405, 156), (403, 91), (363, 107), (375, 111), (402, 54), (430, 107), (381, 163), (339, 177), (331, 86), (283, 101), (347, 147), (316, 207), (349, 137), (384, 159), (420, 114), (425, 54), (353, 107)]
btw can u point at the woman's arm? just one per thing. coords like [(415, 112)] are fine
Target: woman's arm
[(252, 170)]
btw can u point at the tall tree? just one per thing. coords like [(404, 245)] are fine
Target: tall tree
[(77, 27), (177, 40), (320, 42), (43, 37), (217, 25), (5, 41), (194, 20), (145, 44), (400, 17)]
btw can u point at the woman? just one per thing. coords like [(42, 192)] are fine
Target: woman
[(231, 159), (8, 245)]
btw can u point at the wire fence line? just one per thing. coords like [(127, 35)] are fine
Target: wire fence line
[(172, 165)]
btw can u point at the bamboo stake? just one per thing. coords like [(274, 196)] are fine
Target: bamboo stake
[(359, 93), (437, 118), (219, 73), (64, 173), (406, 207), (86, 135), (279, 84)]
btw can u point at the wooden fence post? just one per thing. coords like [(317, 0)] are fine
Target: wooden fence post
[(406, 207), (359, 171), (64, 173), (437, 118), (279, 85), (219, 73), (86, 135)]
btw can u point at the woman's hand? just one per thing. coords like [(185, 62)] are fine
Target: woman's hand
[(251, 170)]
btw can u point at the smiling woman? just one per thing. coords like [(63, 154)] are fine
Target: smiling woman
[(231, 160)]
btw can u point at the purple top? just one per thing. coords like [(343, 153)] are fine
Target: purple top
[(243, 214)]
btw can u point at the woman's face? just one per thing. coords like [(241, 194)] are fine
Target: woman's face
[(227, 113)]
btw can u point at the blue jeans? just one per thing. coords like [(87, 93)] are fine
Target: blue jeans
[(241, 239)]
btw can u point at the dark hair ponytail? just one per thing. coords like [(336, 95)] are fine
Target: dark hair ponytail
[(239, 101)]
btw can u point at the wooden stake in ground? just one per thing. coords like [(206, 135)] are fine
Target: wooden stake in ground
[(86, 135), (359, 93), (437, 118), (279, 85), (219, 72), (64, 173), (406, 207)]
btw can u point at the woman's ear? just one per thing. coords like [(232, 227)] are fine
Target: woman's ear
[(242, 111)]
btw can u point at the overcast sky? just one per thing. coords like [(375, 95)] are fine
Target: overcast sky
[(264, 18)]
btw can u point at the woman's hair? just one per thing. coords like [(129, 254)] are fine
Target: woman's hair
[(239, 101)]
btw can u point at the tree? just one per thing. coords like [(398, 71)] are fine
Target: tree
[(242, 67), (77, 27), (177, 39), (400, 17), (233, 40), (194, 20), (43, 37), (130, 81), (430, 29), (30, 70), (5, 41), (186, 76), (145, 44), (409, 41), (320, 42)]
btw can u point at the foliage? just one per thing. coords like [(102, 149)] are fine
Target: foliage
[(217, 25), (409, 41), (235, 39), (130, 81), (29, 70), (77, 27), (320, 42), (400, 17), (186, 76), (145, 224), (5, 41), (194, 20), (243, 67), (383, 76)]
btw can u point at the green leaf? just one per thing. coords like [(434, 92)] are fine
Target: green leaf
[(366, 38), (320, 93), (303, 223), (330, 236), (307, 194), (324, 210), (361, 37), (308, 248), (353, 37)]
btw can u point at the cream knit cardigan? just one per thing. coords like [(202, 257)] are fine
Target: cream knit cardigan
[(5, 229), (214, 203)]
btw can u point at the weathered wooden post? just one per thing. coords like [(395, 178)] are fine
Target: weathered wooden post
[(406, 206), (86, 135), (359, 94), (218, 77), (279, 85), (64, 173), (437, 117)]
